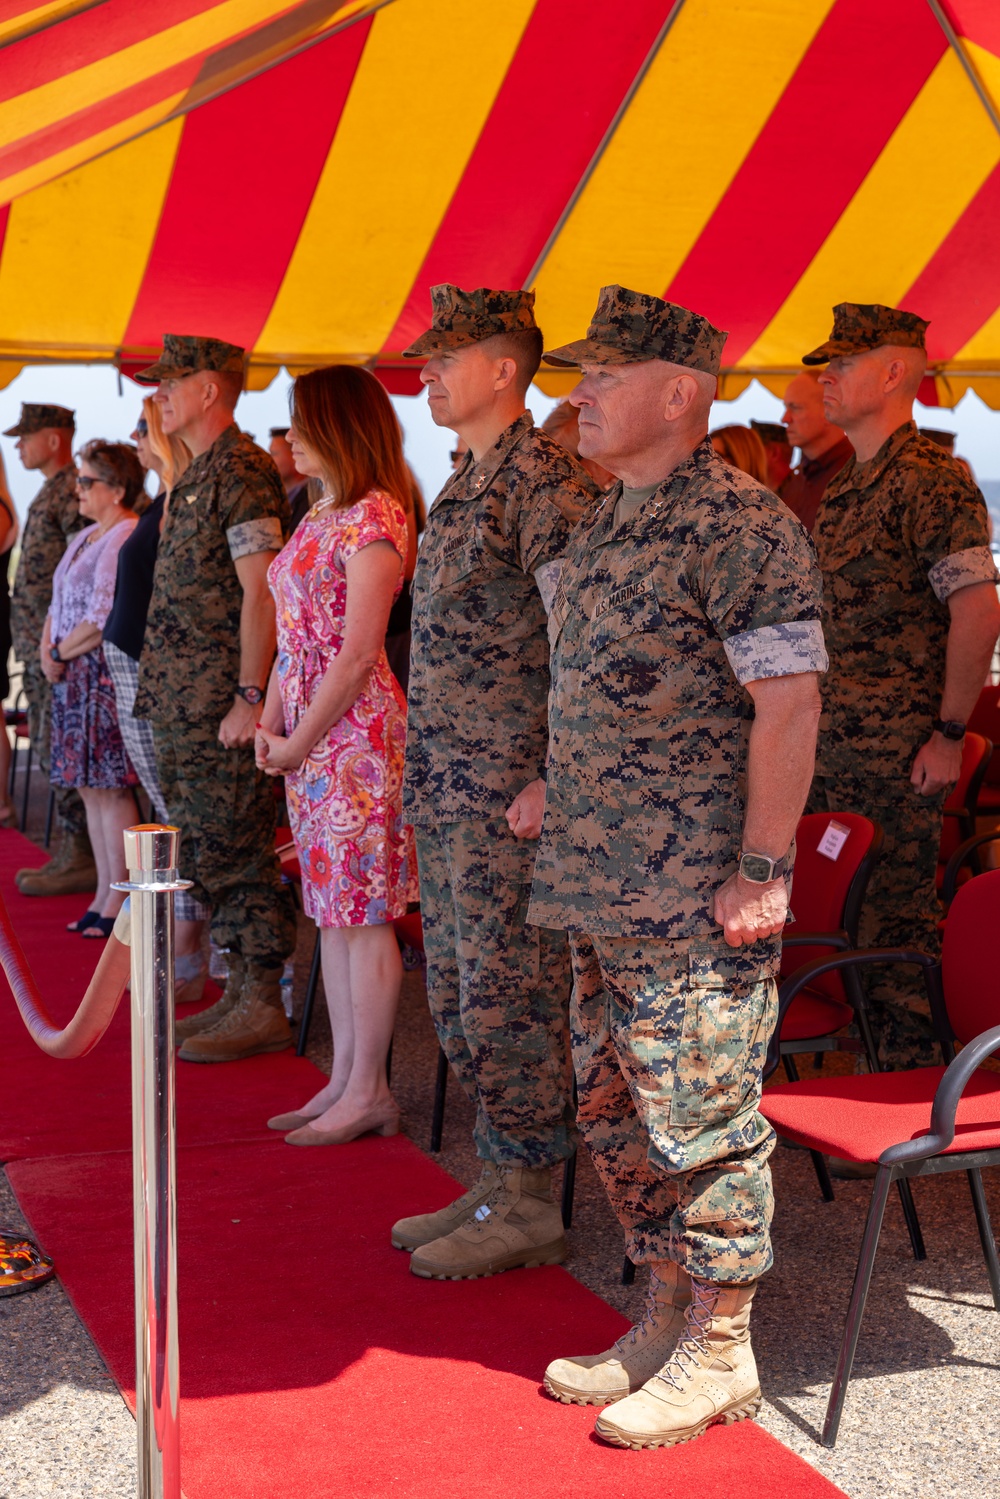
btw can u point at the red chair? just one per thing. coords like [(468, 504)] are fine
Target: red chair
[(835, 857), (985, 720), (919, 1122), (961, 805)]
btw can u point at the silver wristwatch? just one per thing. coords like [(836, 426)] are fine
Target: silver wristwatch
[(758, 869)]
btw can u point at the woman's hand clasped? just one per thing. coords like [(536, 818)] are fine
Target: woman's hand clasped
[(273, 754)]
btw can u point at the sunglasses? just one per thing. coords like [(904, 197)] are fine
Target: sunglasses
[(85, 482), (455, 455), (142, 427)]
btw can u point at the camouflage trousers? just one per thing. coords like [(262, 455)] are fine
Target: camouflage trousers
[(901, 909), (70, 816), (669, 1041), (498, 990), (224, 808)]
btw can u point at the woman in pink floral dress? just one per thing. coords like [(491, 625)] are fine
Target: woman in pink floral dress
[(334, 724)]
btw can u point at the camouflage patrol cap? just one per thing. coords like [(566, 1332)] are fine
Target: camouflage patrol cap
[(467, 317), (630, 327), (770, 431), (36, 418), (937, 435), (860, 326), (185, 354)]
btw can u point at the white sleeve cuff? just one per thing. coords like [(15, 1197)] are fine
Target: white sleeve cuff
[(959, 569), (547, 579), (252, 536), (783, 650)]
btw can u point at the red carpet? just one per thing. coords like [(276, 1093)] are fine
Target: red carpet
[(313, 1364)]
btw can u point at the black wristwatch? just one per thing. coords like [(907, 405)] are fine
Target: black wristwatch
[(759, 869), (252, 695), (54, 653), (950, 728)]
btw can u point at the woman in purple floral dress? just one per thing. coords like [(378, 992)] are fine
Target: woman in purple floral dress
[(334, 724), (87, 750)]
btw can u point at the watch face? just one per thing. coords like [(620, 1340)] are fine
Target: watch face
[(252, 695), (756, 868)]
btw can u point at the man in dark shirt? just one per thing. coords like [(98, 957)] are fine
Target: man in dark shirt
[(823, 447)]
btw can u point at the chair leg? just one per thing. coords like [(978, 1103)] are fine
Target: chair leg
[(856, 1309), (440, 1093), (388, 1064), (912, 1221), (50, 809), (791, 1070), (568, 1190), (986, 1234), (822, 1175), (628, 1272), (307, 1008), (14, 752)]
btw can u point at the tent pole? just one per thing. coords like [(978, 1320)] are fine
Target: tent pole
[(954, 42), (606, 140)]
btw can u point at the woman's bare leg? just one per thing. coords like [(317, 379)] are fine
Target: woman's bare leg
[(375, 972)]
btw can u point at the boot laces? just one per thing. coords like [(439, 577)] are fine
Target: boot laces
[(648, 1318), (693, 1345)]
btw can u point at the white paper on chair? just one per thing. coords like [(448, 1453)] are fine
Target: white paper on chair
[(833, 840)]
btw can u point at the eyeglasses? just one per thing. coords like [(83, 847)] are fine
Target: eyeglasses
[(142, 427), (85, 482), (455, 455)]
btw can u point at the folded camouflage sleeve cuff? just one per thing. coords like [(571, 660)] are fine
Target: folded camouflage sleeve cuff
[(547, 578), (252, 536), (959, 569), (777, 650)]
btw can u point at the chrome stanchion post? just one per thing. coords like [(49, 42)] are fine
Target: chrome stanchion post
[(151, 857)]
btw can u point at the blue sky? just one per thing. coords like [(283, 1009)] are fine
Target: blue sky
[(92, 391)]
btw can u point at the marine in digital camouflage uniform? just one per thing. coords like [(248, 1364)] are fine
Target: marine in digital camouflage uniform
[(228, 504), (673, 599), (53, 517), (897, 536), (477, 733)]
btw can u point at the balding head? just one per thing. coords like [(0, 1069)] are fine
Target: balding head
[(804, 418), (642, 419)]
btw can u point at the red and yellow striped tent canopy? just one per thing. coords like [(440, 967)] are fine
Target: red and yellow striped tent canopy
[(293, 177)]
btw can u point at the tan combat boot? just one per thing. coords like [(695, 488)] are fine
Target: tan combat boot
[(411, 1233), (600, 1378), (196, 1025), (70, 871), (517, 1225), (256, 1024), (711, 1376)]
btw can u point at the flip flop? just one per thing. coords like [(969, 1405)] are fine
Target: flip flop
[(87, 919), (101, 928)]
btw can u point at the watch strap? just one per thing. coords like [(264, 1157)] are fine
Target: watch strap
[(950, 728)]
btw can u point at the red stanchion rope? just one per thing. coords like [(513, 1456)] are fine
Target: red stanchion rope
[(96, 1010)]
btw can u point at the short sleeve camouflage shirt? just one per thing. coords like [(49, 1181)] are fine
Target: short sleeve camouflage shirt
[(658, 624), (895, 537), (479, 657), (228, 504), (53, 517)]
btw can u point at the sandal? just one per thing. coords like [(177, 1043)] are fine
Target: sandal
[(102, 928), (8, 817), (87, 919)]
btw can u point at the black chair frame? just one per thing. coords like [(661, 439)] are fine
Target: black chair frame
[(966, 853), (911, 1158), (966, 815)]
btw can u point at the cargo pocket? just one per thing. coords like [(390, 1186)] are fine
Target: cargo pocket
[(719, 1022)]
